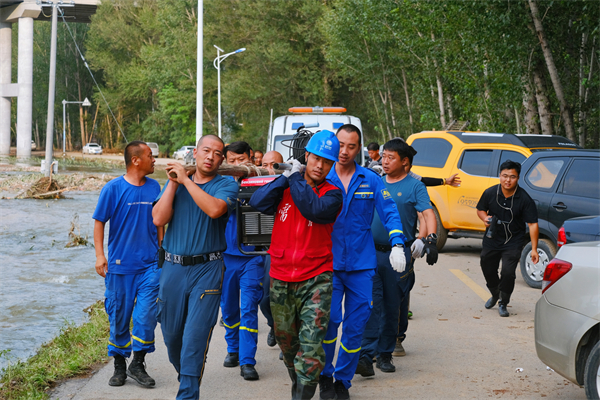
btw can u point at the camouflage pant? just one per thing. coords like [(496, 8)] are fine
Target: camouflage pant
[(301, 315)]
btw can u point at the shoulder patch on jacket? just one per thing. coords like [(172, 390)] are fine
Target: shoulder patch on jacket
[(386, 195)]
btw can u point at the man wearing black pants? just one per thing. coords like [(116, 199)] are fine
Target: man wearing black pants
[(505, 209)]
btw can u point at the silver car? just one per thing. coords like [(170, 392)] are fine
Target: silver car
[(92, 148), (182, 152), (567, 316), (154, 147)]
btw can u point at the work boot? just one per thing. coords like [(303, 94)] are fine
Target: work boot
[(271, 342), (281, 355), (492, 300), (231, 360), (221, 323), (384, 363), (294, 378), (137, 372), (341, 393), (118, 379), (364, 367), (304, 392), (248, 372), (326, 389), (399, 349), (504, 299)]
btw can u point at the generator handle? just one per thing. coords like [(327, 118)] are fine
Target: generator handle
[(282, 166)]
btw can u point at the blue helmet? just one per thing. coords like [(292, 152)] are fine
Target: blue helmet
[(324, 144)]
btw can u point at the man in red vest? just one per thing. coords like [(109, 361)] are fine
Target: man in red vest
[(306, 206)]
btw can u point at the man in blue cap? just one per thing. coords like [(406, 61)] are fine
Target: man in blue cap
[(354, 261), (306, 206)]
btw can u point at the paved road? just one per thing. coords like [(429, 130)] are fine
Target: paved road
[(455, 349)]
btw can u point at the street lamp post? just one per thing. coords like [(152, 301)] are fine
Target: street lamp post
[(85, 103), (217, 64)]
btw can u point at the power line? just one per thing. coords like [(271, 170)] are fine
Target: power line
[(62, 15)]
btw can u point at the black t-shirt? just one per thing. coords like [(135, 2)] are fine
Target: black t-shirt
[(515, 212)]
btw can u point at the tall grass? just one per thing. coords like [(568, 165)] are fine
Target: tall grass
[(74, 352)]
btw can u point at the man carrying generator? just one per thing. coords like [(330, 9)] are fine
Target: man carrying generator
[(242, 288), (391, 289), (306, 206), (354, 260), (195, 207), (130, 273)]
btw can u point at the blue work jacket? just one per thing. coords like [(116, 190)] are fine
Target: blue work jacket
[(353, 245)]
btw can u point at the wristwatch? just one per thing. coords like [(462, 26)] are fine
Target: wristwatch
[(432, 236), (398, 245)]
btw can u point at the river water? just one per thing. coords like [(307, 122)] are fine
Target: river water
[(43, 284)]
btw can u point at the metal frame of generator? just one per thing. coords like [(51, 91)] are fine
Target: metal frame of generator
[(254, 227)]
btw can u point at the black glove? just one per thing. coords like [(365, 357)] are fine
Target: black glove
[(431, 250)]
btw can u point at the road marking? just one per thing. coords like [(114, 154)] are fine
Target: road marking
[(479, 291)]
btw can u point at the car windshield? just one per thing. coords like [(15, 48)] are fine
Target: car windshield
[(93, 145)]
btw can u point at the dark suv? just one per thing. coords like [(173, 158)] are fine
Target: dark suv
[(564, 184)]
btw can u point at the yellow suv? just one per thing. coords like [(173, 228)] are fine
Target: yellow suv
[(476, 157)]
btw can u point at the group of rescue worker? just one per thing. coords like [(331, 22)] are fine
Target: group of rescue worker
[(343, 248)]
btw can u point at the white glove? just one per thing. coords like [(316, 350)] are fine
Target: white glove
[(397, 259), (417, 248), (296, 167)]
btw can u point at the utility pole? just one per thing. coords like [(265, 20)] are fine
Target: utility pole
[(47, 165), (199, 67)]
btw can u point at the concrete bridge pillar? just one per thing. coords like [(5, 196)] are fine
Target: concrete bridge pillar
[(5, 81), (25, 79)]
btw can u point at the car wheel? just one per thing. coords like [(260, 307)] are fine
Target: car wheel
[(591, 376), (442, 233), (533, 274)]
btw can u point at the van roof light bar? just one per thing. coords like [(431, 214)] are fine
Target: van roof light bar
[(317, 110)]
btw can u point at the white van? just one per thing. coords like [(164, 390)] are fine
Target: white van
[(314, 119)]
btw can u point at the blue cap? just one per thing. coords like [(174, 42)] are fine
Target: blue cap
[(324, 144)]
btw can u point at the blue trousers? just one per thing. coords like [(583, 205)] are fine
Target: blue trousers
[(127, 297), (265, 303), (242, 291), (391, 291), (188, 306), (356, 288)]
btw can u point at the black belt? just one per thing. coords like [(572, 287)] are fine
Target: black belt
[(192, 260), (383, 247)]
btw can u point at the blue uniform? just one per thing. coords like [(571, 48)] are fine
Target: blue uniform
[(132, 277), (242, 292), (391, 289), (354, 265), (188, 299)]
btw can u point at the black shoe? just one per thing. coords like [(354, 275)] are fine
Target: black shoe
[(232, 360), (294, 377), (271, 342), (137, 372), (221, 323), (248, 372), (281, 355), (341, 392), (364, 368), (491, 302), (120, 375), (326, 389), (384, 363), (304, 392), (502, 310)]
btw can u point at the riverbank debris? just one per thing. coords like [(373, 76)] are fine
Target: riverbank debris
[(75, 239)]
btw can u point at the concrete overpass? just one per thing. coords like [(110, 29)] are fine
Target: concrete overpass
[(24, 12)]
